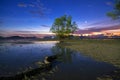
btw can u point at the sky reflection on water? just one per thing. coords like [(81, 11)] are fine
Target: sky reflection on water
[(15, 58)]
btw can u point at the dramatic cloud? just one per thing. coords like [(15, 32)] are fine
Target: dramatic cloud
[(25, 5), (36, 8), (82, 32), (97, 29), (104, 23), (22, 5)]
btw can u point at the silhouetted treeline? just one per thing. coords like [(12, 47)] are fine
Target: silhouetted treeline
[(18, 38)]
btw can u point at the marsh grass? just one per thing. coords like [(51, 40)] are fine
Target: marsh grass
[(107, 50)]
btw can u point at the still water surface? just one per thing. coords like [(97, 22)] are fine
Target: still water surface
[(18, 57)]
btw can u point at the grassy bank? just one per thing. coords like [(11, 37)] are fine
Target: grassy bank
[(103, 50)]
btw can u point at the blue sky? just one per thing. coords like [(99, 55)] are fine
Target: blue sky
[(37, 16)]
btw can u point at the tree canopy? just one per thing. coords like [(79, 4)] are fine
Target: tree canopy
[(63, 26), (115, 14)]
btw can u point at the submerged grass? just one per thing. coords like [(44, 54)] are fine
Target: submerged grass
[(107, 50)]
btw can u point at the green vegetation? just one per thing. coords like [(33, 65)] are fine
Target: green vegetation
[(63, 26), (115, 14), (107, 50)]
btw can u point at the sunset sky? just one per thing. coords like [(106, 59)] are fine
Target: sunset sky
[(19, 17)]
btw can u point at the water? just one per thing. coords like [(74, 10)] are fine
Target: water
[(70, 65)]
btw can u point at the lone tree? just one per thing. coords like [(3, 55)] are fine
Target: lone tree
[(115, 14), (63, 26)]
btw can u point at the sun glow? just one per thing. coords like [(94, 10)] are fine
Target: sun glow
[(96, 33)]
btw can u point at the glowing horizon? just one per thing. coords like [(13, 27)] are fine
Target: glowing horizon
[(21, 18)]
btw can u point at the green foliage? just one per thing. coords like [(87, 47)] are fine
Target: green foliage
[(115, 14), (63, 26)]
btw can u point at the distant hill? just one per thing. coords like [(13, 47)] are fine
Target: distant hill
[(1, 37), (16, 37)]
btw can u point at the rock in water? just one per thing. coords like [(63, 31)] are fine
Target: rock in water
[(49, 59)]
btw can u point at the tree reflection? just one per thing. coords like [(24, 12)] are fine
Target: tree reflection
[(64, 54)]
